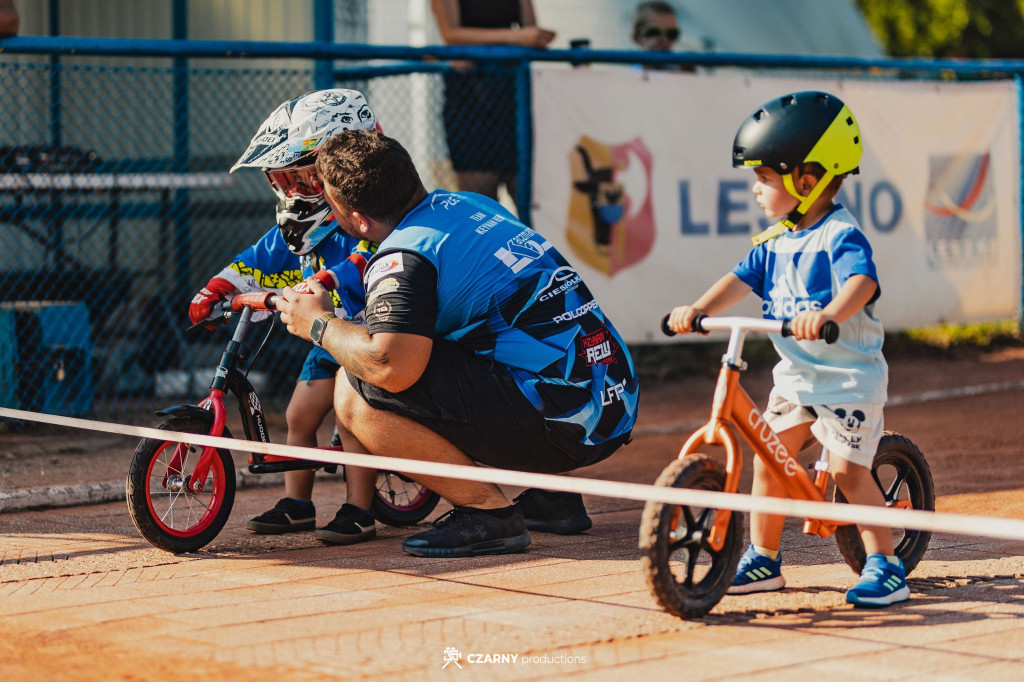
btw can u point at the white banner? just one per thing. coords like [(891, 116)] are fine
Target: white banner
[(633, 182)]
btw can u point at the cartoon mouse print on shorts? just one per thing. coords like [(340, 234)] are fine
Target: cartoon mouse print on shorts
[(851, 422)]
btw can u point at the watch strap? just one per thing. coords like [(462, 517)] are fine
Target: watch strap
[(316, 332)]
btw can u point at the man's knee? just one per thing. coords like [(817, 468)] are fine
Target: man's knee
[(349, 406)]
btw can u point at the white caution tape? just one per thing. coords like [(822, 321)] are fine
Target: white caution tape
[(957, 524)]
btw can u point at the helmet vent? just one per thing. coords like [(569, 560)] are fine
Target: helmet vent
[(856, 139), (788, 100), (760, 114), (849, 120)]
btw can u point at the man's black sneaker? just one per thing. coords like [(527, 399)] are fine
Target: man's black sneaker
[(465, 531), (549, 511), (350, 525), (287, 516)]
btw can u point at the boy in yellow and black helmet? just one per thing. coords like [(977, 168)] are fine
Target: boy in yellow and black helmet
[(813, 266)]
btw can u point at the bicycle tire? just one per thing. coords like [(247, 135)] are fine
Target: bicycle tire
[(689, 597), (205, 513), (910, 480), (400, 501)]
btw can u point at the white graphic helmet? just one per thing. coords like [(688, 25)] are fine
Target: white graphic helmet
[(285, 148)]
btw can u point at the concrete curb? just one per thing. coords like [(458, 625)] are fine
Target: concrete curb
[(106, 491)]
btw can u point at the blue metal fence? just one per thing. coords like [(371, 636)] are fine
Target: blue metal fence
[(115, 203)]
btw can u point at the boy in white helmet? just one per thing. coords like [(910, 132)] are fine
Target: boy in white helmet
[(305, 244), (814, 266)]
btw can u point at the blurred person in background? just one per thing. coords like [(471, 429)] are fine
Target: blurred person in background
[(10, 22), (480, 105), (656, 29)]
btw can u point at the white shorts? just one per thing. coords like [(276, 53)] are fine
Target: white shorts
[(850, 430)]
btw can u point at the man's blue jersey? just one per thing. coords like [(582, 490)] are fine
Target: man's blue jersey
[(804, 270), (268, 265), (505, 292)]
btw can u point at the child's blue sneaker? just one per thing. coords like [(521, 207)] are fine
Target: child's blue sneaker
[(881, 583), (757, 573)]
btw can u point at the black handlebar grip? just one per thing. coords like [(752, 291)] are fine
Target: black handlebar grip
[(664, 327), (698, 324), (829, 332)]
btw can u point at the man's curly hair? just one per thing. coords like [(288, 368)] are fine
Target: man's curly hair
[(369, 172)]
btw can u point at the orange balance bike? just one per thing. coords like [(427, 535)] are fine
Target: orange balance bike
[(690, 554), (180, 494)]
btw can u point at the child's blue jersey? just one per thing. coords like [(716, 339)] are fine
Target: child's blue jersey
[(268, 265), (504, 292), (804, 270)]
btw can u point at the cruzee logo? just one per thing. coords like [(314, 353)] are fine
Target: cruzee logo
[(770, 440)]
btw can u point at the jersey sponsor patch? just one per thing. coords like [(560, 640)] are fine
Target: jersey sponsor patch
[(385, 286), (387, 264), (379, 312), (598, 348)]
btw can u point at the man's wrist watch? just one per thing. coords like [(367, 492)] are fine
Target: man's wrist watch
[(316, 332)]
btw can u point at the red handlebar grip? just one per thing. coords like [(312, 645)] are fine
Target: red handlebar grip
[(262, 300)]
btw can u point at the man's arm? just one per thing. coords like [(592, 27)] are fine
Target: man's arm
[(390, 361)]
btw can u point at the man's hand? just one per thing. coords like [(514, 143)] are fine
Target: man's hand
[(299, 310), (680, 320), (806, 325), (201, 305), (534, 36)]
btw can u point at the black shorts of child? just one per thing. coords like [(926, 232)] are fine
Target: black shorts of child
[(474, 403)]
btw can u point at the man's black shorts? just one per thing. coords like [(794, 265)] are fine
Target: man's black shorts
[(474, 403)]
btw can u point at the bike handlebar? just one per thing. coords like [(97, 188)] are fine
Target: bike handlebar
[(829, 331), (260, 300)]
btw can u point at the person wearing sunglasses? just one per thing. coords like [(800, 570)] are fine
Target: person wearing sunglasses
[(306, 245), (656, 28)]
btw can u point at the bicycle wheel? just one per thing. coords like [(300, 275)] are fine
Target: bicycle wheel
[(905, 480), (685, 575), (401, 501), (162, 507)]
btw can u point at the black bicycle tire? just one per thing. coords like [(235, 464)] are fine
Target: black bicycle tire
[(703, 472), (914, 543), (137, 492)]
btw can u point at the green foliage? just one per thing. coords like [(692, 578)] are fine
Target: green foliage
[(979, 335), (977, 29)]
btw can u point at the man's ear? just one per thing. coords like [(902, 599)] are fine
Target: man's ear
[(362, 222)]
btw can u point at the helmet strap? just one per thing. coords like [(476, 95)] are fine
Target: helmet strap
[(796, 215)]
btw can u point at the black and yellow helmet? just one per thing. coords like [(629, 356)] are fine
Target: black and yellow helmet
[(802, 127)]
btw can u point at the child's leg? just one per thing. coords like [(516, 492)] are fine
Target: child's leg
[(766, 529), (310, 403), (354, 522), (360, 482), (860, 487)]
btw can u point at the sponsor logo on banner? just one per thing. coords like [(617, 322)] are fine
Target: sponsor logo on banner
[(960, 209), (611, 218)]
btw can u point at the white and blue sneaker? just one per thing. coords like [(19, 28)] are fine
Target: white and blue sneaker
[(757, 573), (881, 583)]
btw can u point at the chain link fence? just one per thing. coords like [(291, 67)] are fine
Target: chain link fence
[(116, 206)]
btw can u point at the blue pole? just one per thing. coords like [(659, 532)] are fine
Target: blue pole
[(524, 142), (1020, 187), (323, 32), (180, 155)]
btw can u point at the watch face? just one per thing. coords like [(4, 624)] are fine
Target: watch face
[(316, 332)]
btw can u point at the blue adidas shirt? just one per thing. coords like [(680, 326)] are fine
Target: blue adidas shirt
[(488, 282), (804, 270)]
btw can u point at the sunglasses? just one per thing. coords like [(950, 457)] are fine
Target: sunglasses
[(301, 181), (670, 34)]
